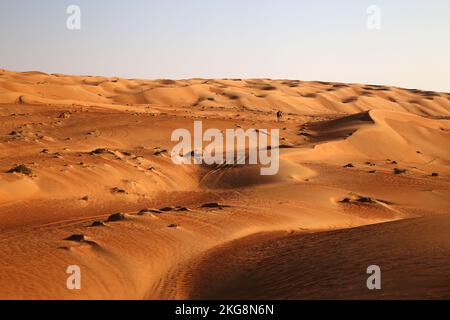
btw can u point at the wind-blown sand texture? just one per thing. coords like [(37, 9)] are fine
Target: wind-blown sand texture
[(364, 180)]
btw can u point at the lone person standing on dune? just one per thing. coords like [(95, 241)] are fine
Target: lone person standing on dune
[(279, 116)]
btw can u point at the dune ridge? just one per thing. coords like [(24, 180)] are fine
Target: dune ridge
[(315, 98)]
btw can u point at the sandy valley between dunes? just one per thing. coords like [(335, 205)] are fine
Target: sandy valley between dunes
[(364, 179)]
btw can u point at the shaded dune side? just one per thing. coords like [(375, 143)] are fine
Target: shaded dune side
[(240, 176), (413, 255)]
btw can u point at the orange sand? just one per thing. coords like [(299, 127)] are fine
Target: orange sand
[(284, 237)]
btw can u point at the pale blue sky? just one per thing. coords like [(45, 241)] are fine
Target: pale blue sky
[(306, 40)]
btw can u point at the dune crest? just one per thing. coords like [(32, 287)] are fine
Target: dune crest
[(315, 98)]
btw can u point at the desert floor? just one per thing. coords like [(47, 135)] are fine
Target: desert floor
[(364, 180)]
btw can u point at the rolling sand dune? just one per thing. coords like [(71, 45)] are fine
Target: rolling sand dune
[(364, 179)]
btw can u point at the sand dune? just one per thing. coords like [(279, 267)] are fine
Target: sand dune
[(298, 97), (296, 272), (86, 179)]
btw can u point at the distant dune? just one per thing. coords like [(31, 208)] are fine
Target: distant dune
[(86, 179), (298, 97)]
